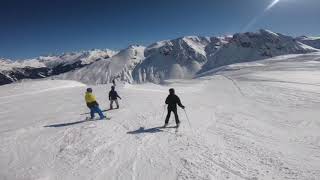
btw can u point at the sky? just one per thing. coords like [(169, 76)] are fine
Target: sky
[(32, 28)]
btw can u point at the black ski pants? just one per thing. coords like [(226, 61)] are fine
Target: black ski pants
[(174, 110)]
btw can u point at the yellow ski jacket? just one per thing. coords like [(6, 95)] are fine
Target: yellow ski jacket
[(90, 99)]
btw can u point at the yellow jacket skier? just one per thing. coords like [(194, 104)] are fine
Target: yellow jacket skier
[(93, 104)]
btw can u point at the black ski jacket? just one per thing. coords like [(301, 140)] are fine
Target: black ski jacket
[(113, 95), (172, 101)]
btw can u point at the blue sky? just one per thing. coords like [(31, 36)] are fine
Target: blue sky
[(38, 27)]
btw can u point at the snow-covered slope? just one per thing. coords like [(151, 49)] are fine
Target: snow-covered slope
[(247, 47), (118, 67), (310, 41), (252, 121), (172, 59)]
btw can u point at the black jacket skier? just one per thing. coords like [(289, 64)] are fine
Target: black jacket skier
[(172, 101), (113, 97)]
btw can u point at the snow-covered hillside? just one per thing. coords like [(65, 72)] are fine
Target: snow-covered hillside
[(310, 41), (118, 67), (172, 59), (253, 120), (245, 47)]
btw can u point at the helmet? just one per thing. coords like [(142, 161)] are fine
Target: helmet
[(89, 89), (171, 91)]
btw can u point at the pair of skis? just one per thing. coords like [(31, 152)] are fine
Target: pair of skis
[(165, 128), (97, 119)]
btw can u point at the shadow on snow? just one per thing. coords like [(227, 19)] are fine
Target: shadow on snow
[(66, 124), (142, 130)]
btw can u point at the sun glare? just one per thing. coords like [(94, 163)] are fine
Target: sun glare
[(255, 19), (272, 4)]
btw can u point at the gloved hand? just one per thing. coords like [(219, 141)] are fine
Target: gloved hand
[(183, 107)]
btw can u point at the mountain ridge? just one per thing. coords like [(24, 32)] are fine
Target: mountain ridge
[(180, 58)]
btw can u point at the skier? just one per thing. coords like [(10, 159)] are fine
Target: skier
[(172, 101), (113, 97), (93, 104), (114, 82)]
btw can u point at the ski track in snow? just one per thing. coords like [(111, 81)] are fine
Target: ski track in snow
[(250, 123)]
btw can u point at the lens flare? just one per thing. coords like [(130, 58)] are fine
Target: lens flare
[(272, 4), (255, 19)]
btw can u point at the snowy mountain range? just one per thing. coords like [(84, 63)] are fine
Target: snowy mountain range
[(46, 66), (180, 58)]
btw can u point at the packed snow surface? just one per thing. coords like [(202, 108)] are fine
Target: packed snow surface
[(258, 121)]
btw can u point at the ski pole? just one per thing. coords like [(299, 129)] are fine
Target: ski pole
[(187, 118), (164, 108)]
